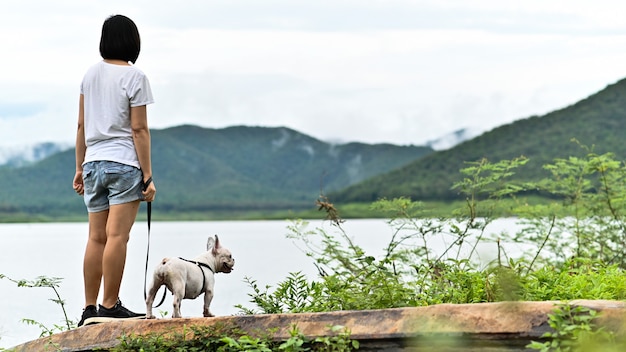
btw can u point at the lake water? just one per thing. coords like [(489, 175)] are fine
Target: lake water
[(261, 249)]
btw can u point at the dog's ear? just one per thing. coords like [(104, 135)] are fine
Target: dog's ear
[(210, 243), (216, 246)]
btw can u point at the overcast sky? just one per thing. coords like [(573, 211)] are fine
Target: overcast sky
[(396, 71)]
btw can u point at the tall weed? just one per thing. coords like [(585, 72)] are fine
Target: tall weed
[(573, 245)]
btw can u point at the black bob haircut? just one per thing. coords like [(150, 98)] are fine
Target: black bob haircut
[(120, 39)]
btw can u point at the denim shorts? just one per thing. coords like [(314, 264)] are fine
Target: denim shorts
[(109, 183)]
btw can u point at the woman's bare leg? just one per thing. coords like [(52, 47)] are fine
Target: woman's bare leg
[(120, 220), (92, 264)]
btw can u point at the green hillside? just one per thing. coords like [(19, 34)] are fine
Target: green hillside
[(599, 121), (202, 170)]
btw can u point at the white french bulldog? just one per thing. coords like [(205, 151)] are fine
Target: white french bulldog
[(188, 279)]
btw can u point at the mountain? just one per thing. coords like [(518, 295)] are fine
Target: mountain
[(200, 169), (255, 168), (24, 155), (598, 121)]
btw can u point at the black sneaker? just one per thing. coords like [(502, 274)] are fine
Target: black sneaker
[(89, 312), (118, 312)]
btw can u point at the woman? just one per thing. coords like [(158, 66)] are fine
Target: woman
[(113, 166)]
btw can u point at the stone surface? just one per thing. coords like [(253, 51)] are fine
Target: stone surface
[(503, 326)]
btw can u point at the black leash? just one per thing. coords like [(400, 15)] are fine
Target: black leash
[(145, 276)]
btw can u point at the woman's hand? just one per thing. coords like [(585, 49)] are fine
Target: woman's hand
[(79, 186), (149, 190)]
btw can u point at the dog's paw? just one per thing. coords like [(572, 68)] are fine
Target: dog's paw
[(150, 317)]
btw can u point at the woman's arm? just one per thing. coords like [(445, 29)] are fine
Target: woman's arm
[(141, 137), (80, 147)]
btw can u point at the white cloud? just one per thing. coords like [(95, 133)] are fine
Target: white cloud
[(397, 71)]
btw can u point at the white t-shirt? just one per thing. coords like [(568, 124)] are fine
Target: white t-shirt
[(109, 92)]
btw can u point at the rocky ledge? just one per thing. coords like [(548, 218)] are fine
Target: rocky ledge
[(502, 326)]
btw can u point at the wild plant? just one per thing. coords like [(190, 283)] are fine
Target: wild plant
[(46, 282), (580, 231), (225, 337), (410, 271), (587, 217), (574, 329)]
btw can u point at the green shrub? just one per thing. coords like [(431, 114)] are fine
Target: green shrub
[(227, 338)]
